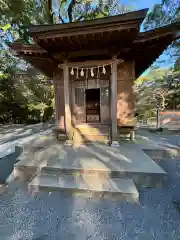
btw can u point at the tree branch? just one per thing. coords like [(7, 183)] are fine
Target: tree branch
[(59, 18), (49, 11), (104, 13), (70, 9)]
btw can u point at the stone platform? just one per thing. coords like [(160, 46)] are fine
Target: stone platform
[(89, 185), (95, 168)]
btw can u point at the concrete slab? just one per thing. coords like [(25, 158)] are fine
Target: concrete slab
[(89, 184), (98, 156), (127, 161), (47, 151)]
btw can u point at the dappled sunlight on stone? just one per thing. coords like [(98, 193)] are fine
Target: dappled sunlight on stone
[(99, 155), (90, 204), (115, 153), (127, 157), (120, 157), (93, 181), (113, 185), (62, 154), (92, 163), (94, 169)]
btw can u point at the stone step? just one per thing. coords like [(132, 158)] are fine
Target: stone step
[(87, 185), (88, 137), (92, 129), (93, 137), (127, 162), (141, 179)]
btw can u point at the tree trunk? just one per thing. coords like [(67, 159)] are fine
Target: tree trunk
[(157, 119)]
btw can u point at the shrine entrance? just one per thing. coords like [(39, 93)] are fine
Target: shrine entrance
[(92, 98), (90, 101)]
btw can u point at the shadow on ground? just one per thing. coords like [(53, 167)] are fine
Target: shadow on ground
[(9, 133), (7, 164), (59, 215)]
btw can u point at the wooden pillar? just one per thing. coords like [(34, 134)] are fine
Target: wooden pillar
[(125, 94), (114, 98), (56, 103), (73, 104), (66, 99), (59, 99), (73, 97)]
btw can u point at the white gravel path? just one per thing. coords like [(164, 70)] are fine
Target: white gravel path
[(55, 216), (12, 135)]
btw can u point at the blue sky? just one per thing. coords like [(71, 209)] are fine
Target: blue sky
[(139, 4)]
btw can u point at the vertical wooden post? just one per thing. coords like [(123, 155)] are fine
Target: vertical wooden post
[(66, 99), (157, 119), (73, 97), (114, 99), (73, 104), (56, 103)]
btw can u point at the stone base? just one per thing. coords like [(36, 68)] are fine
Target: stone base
[(115, 144), (59, 134), (89, 185), (99, 161), (68, 143)]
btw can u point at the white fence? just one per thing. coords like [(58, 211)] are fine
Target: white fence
[(170, 119), (146, 123)]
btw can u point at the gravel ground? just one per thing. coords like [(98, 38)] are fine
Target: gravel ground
[(172, 139), (57, 215), (12, 136)]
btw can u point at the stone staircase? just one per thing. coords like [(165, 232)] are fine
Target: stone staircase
[(88, 185), (87, 133), (95, 170), (97, 182)]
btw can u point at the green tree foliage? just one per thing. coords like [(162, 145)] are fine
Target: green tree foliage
[(172, 84), (145, 87), (167, 80), (22, 13), (78, 10), (163, 14), (25, 94)]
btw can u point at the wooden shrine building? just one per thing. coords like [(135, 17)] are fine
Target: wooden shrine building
[(94, 65)]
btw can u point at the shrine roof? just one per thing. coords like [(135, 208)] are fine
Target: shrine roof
[(95, 40)]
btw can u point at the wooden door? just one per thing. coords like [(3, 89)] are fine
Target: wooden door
[(104, 98), (80, 109)]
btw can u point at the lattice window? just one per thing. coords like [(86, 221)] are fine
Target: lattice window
[(79, 96)]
